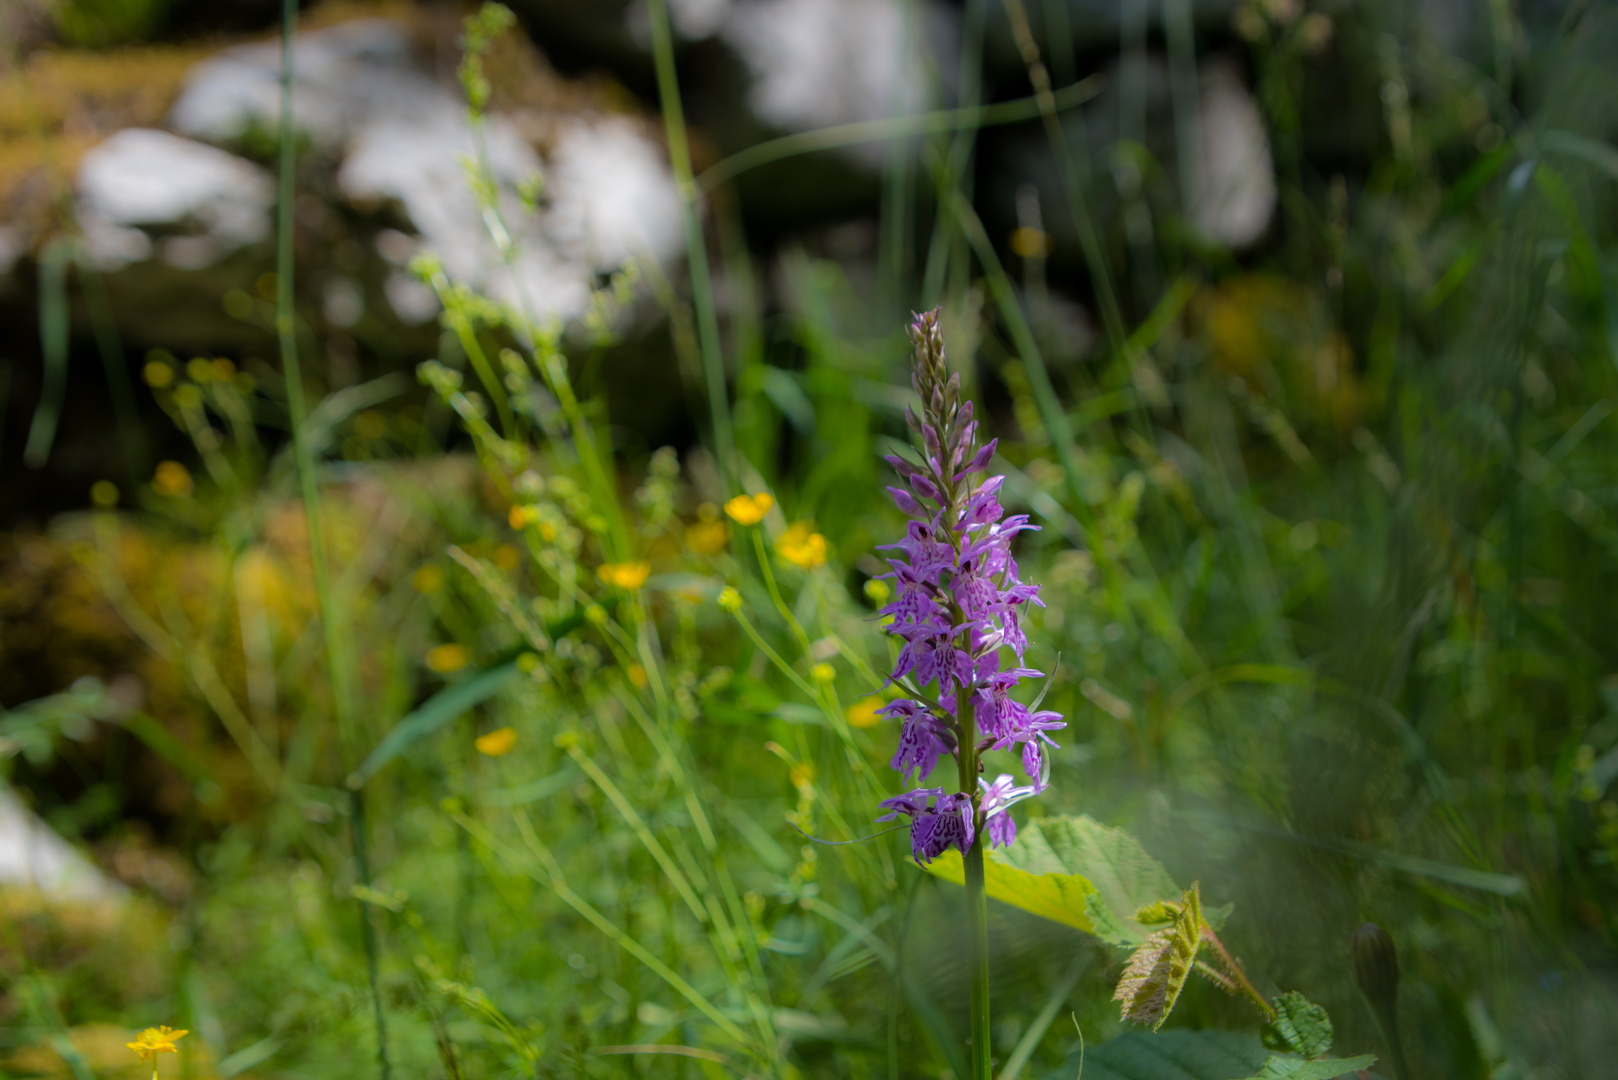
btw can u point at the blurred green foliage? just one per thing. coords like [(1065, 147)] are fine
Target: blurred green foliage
[(103, 24), (1325, 549)]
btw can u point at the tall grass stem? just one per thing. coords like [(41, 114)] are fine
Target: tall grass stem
[(337, 655), (713, 363)]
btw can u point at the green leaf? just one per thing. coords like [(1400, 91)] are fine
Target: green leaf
[(434, 713), (1301, 1027), (1075, 871), (1160, 965), (1056, 894), (1173, 1055), (1279, 1067)]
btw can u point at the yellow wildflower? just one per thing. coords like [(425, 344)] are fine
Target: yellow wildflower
[(637, 675), (801, 546), (522, 515), (428, 579), (172, 479), (1030, 243), (863, 714), (154, 1041), (823, 673), (730, 599), (447, 658), (625, 575), (497, 742), (749, 509), (707, 537), (878, 591)]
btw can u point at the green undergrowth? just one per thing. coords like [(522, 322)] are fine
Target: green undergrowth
[(1326, 537)]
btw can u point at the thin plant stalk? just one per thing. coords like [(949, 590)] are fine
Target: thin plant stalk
[(1112, 319), (713, 364), (940, 252), (337, 654), (53, 344), (977, 899)]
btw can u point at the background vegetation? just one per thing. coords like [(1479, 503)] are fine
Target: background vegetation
[(1328, 533)]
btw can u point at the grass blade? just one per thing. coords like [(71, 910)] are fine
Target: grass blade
[(53, 344), (433, 714)]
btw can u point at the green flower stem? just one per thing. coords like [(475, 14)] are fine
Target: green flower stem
[(977, 899), (1387, 1019), (1237, 975), (768, 573)]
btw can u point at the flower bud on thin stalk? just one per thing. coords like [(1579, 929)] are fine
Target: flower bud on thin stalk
[(958, 603)]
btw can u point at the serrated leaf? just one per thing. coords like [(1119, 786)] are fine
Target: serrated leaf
[(1301, 1027), (1160, 965), (1157, 914), (1280, 1067), (1172, 1055), (1075, 871)]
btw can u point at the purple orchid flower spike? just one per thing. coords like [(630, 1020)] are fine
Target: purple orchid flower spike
[(958, 606)]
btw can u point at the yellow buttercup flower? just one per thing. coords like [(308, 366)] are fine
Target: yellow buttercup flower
[(823, 673), (447, 658), (497, 742), (801, 546), (172, 479), (154, 1041), (625, 575), (864, 714), (707, 537), (730, 599), (750, 509)]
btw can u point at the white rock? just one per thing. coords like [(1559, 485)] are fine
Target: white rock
[(816, 63), (33, 856), (411, 299), (421, 164), (343, 77), (141, 178), (611, 195), (1233, 192), (698, 19), (406, 139)]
